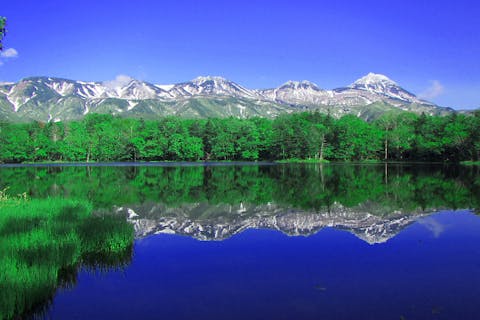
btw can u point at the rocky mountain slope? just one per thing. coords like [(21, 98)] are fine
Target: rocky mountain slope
[(55, 99)]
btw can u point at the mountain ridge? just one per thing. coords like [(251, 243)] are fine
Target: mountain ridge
[(56, 99)]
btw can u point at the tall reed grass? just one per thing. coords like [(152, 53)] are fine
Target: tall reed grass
[(43, 242)]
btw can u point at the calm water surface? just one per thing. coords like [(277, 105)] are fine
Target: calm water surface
[(274, 242)]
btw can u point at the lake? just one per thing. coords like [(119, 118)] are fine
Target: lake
[(247, 241)]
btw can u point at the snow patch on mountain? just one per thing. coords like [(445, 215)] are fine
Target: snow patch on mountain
[(131, 104), (62, 88), (92, 90), (18, 100), (165, 87), (15, 102)]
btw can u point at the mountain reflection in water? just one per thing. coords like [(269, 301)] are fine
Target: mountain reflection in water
[(392, 206), (229, 220), (422, 273)]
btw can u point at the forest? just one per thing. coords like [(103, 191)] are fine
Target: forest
[(105, 138)]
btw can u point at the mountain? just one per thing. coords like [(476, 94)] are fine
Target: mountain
[(368, 97), (218, 222), (55, 99), (297, 93), (210, 86)]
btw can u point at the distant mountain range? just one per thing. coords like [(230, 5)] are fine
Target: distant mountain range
[(55, 99)]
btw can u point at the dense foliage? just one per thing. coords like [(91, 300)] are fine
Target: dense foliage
[(3, 22), (394, 136)]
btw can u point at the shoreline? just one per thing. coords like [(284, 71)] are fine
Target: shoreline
[(225, 163)]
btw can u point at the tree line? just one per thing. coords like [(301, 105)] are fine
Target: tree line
[(102, 137)]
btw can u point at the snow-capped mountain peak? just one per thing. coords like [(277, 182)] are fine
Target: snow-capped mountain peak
[(296, 85), (211, 85), (297, 92), (134, 89), (372, 79), (203, 79), (377, 85)]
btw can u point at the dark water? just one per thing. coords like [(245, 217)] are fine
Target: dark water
[(275, 242)]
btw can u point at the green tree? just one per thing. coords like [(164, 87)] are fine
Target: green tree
[(387, 122), (179, 144), (473, 141), (154, 142), (15, 143), (248, 141), (355, 139), (428, 143), (104, 138), (455, 137), (291, 134), (41, 142), (223, 142), (208, 135), (317, 141), (76, 145), (398, 133), (3, 22)]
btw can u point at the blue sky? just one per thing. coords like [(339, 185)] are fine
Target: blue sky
[(431, 48)]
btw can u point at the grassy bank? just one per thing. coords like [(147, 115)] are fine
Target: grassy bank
[(44, 241)]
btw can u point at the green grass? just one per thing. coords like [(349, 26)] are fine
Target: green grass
[(44, 241)]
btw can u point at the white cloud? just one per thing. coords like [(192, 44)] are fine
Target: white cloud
[(119, 81), (434, 90), (9, 53), (433, 225)]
